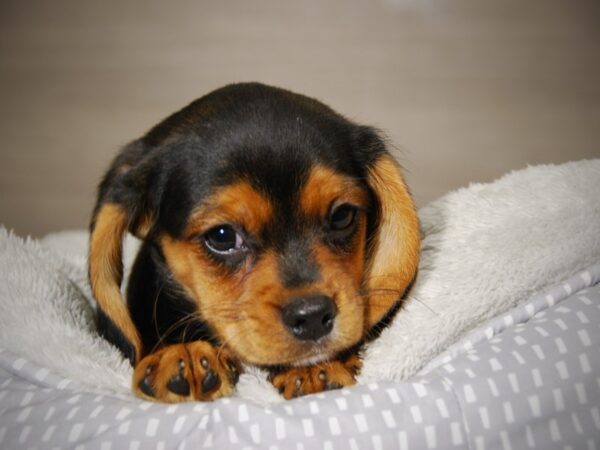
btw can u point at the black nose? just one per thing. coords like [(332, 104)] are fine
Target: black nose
[(309, 318)]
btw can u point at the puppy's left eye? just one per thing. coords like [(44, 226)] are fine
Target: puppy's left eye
[(224, 240), (342, 217)]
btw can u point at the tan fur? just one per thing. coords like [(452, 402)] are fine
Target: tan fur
[(105, 261), (324, 187), (394, 254)]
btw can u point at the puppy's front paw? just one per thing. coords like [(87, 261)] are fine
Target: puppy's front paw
[(183, 372), (296, 381)]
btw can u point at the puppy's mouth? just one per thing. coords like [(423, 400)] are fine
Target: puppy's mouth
[(318, 352), (296, 342), (297, 354)]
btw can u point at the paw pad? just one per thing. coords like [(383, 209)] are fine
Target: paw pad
[(193, 371), (145, 384), (210, 381)]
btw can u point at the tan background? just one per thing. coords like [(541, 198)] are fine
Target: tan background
[(468, 90)]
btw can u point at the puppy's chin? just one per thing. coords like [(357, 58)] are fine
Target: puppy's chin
[(301, 360), (312, 360)]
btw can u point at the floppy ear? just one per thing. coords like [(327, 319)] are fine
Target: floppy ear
[(393, 254), (117, 211)]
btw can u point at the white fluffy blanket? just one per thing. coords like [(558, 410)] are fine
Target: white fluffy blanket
[(485, 249)]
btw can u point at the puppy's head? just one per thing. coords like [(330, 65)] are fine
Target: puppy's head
[(288, 226)]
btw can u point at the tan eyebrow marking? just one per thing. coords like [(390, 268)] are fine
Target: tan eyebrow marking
[(237, 203), (324, 185)]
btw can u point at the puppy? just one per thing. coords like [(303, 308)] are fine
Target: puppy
[(275, 233)]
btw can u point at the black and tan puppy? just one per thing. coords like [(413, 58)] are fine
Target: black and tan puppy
[(275, 233)]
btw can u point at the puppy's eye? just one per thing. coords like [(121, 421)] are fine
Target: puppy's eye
[(224, 240), (342, 217)]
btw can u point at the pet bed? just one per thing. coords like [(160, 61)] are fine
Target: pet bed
[(496, 347)]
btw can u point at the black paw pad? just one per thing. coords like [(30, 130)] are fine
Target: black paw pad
[(146, 387), (210, 381), (179, 385)]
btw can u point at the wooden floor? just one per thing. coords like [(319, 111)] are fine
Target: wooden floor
[(467, 90)]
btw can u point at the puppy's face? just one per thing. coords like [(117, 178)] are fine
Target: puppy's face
[(277, 269), (289, 227)]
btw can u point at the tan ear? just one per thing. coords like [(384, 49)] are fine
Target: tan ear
[(106, 271), (394, 250)]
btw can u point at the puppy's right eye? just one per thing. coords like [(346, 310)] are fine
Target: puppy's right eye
[(224, 240)]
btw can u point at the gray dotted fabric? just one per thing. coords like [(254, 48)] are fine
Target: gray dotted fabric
[(528, 379)]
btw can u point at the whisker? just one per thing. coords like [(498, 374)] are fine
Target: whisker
[(424, 304), (382, 291), (155, 308), (187, 321)]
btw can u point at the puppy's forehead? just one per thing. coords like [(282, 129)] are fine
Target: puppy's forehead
[(270, 138), (286, 170)]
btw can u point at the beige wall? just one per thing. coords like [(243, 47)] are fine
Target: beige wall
[(467, 89)]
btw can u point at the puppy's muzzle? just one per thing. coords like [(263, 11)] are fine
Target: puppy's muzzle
[(309, 318)]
